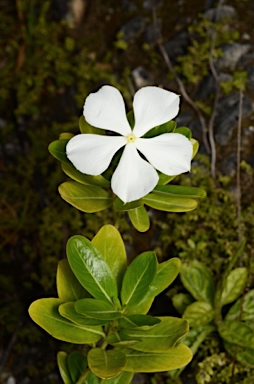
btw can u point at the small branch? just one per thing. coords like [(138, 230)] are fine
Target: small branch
[(180, 84)]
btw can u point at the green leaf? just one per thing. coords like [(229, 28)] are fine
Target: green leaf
[(77, 364), (68, 311), (91, 269), (158, 338), (87, 128), (164, 179), (163, 128), (199, 313), (97, 309), (175, 357), (120, 206), (80, 177), (68, 287), (244, 308), (237, 332), (106, 364), (234, 285), (44, 312), (85, 198), (91, 379), (139, 219), (195, 145), (181, 190), (109, 243), (58, 149), (165, 202), (197, 280), (122, 378), (181, 301), (63, 367), (137, 279), (165, 275), (244, 355), (184, 131), (133, 321)]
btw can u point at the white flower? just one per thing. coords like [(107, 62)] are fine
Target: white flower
[(135, 175)]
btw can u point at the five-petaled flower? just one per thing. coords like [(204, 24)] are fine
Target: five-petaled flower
[(135, 175)]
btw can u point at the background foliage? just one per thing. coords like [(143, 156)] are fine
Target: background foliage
[(48, 66)]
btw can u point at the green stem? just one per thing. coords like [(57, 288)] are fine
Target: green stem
[(83, 377)]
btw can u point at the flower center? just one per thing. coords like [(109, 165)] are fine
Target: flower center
[(131, 138)]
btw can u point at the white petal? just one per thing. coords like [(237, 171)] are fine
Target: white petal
[(170, 153), (133, 177), (92, 154), (153, 106), (105, 109)]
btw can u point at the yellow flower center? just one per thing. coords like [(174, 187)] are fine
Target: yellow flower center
[(131, 138)]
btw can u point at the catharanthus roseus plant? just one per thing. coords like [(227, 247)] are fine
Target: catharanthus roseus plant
[(123, 162), (103, 303)]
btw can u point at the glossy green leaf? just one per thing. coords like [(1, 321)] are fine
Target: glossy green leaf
[(120, 206), (86, 198), (91, 378), (91, 269), (137, 279), (77, 364), (98, 309), (106, 364), (58, 149), (44, 312), (68, 287), (184, 131), (68, 311), (175, 357), (114, 339), (199, 313), (234, 285), (181, 190), (243, 308), (134, 321), (85, 127), (164, 179), (165, 202), (109, 243), (163, 128), (244, 355), (181, 301), (122, 378), (195, 146), (165, 275), (197, 280), (139, 218), (63, 367), (159, 338), (80, 177), (237, 332)]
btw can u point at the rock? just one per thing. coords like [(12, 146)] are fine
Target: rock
[(232, 53), (133, 28), (128, 6), (219, 13), (250, 77), (228, 166), (227, 116), (141, 77), (177, 46), (149, 4)]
